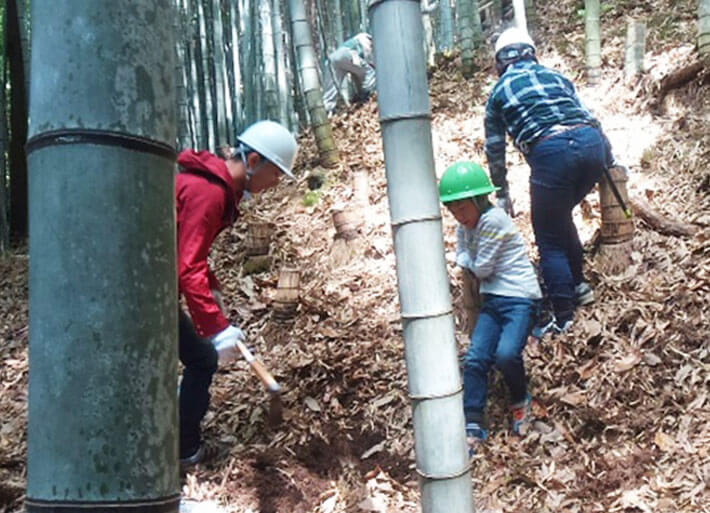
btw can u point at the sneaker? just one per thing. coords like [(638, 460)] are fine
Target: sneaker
[(583, 294), (522, 416), (194, 458), (475, 434), (550, 326)]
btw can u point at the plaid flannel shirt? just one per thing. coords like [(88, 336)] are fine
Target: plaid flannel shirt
[(526, 102)]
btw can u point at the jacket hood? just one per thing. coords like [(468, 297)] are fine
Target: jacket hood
[(214, 169), (205, 163)]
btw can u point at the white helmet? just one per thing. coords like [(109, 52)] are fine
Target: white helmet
[(513, 36), (274, 142)]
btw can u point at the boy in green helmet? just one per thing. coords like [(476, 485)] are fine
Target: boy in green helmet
[(490, 246)]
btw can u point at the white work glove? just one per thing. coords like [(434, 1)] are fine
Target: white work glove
[(506, 204), (225, 342), (463, 260)]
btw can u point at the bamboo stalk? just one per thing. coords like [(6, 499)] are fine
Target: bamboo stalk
[(592, 41)]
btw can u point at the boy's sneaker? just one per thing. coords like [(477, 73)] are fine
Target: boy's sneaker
[(550, 326), (475, 434), (583, 294), (522, 416)]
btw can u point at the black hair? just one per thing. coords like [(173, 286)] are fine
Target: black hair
[(513, 53)]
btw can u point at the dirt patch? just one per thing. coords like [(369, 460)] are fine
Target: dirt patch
[(327, 459), (280, 487)]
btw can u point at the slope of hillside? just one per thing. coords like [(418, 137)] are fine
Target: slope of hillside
[(622, 402)]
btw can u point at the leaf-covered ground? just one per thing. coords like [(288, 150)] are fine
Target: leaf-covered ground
[(623, 401)]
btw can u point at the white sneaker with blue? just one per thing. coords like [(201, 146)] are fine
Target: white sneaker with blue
[(583, 294), (475, 435)]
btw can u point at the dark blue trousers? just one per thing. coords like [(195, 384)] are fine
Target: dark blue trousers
[(563, 169)]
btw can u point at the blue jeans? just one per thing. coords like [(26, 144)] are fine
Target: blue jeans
[(499, 337), (563, 169)]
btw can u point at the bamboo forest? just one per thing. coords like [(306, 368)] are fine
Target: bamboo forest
[(354, 256)]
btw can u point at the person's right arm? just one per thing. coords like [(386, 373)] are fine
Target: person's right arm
[(494, 127), (200, 220)]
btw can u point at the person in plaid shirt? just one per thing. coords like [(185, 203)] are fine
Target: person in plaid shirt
[(567, 153)]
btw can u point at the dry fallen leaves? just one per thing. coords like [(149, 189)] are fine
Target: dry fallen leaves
[(622, 400)]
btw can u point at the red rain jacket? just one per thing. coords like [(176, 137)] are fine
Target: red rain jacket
[(206, 202)]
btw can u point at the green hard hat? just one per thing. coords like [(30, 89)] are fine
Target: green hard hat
[(464, 180)]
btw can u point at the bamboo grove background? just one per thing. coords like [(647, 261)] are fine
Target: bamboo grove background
[(237, 62)]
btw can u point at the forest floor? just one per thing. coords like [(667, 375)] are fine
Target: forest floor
[(622, 401)]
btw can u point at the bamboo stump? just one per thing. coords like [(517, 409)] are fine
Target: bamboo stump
[(617, 230), (258, 238), (257, 241), (348, 229), (287, 294), (471, 301)]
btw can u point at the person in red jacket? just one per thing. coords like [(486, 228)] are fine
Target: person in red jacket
[(208, 190)]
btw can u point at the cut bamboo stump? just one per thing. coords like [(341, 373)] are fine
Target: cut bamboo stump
[(258, 238), (347, 243), (347, 224), (257, 248), (471, 301), (287, 295), (617, 230)]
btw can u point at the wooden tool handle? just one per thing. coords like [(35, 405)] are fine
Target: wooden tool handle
[(265, 376)]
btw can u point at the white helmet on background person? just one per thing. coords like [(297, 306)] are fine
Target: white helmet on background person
[(513, 36), (513, 45), (274, 142)]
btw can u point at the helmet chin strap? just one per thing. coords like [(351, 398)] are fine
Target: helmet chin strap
[(249, 172)]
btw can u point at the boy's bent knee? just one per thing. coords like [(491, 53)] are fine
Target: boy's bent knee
[(506, 359)]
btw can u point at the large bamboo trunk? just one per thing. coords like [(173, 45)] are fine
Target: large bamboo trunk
[(102, 290), (434, 383)]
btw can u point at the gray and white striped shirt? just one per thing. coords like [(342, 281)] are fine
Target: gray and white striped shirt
[(495, 252)]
